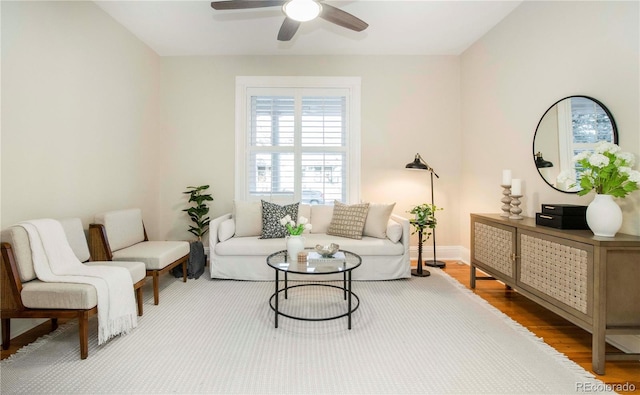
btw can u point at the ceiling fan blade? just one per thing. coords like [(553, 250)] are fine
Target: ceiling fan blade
[(342, 18), (244, 4), (288, 29)]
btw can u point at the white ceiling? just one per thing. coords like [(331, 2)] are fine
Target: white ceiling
[(417, 27)]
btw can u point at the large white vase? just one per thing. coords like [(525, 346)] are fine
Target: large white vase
[(295, 244), (604, 216)]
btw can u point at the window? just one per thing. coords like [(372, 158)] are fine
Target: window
[(297, 139)]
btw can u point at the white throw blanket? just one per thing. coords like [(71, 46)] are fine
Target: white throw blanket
[(55, 261)]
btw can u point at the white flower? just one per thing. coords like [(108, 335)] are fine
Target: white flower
[(605, 146), (598, 160), (302, 220), (607, 171), (565, 176), (627, 158), (582, 155), (308, 226), (634, 176), (285, 220)]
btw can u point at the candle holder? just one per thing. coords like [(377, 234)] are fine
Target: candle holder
[(515, 207), (506, 201)]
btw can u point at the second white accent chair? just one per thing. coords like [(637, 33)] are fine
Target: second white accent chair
[(120, 235)]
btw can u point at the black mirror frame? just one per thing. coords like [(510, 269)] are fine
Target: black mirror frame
[(533, 146)]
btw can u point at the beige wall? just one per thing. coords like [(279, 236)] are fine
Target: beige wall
[(79, 111), (409, 104), (542, 52)]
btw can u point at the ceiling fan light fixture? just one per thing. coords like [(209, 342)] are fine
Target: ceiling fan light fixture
[(302, 10)]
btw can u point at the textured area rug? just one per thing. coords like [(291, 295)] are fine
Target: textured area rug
[(413, 336)]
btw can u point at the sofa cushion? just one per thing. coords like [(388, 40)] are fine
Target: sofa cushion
[(227, 229), (253, 246), (377, 220), (154, 254), (348, 220), (124, 227), (248, 217), (320, 218), (304, 210), (272, 214)]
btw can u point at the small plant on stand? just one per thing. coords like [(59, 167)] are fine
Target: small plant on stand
[(424, 219)]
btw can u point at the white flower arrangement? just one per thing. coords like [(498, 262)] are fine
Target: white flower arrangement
[(295, 229), (607, 171)]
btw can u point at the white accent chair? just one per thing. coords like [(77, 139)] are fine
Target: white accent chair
[(120, 236), (24, 296)]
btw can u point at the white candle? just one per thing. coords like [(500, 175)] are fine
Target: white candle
[(516, 187), (506, 177)]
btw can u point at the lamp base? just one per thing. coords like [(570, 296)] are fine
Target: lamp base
[(425, 273), (433, 263)]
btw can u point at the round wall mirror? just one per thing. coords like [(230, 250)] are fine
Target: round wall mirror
[(570, 126)]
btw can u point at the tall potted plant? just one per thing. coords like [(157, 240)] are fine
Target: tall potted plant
[(198, 214)]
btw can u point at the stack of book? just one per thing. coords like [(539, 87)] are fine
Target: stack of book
[(315, 259)]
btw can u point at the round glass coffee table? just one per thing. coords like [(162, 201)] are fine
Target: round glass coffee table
[(279, 262)]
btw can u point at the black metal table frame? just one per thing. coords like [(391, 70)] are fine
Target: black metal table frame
[(346, 288)]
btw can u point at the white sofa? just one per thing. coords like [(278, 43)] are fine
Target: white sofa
[(237, 252)]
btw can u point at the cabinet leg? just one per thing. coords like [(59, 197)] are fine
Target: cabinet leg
[(472, 280), (598, 349)]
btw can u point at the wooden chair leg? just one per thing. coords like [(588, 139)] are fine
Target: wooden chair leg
[(139, 300), (6, 333), (83, 329), (184, 271), (54, 324), (156, 287)]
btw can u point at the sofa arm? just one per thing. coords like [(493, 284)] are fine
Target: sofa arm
[(406, 231), (213, 232)]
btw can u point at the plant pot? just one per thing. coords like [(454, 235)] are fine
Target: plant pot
[(604, 216)]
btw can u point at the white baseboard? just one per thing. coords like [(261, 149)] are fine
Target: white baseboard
[(447, 253)]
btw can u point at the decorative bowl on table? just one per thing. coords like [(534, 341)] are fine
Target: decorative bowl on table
[(327, 251)]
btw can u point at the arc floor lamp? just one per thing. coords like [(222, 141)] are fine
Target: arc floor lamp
[(419, 164)]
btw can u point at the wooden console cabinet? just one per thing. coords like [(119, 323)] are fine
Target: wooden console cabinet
[(594, 282)]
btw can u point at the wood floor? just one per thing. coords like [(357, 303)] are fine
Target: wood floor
[(567, 338), (559, 333)]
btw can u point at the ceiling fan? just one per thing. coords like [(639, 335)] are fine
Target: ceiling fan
[(296, 12)]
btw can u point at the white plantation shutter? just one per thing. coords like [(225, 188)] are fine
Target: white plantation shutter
[(297, 144)]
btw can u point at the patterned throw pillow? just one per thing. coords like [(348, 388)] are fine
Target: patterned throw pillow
[(348, 220), (271, 216)]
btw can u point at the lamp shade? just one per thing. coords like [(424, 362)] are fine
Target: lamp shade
[(541, 163), (417, 164)]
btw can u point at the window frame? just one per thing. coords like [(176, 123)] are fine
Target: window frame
[(244, 84)]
